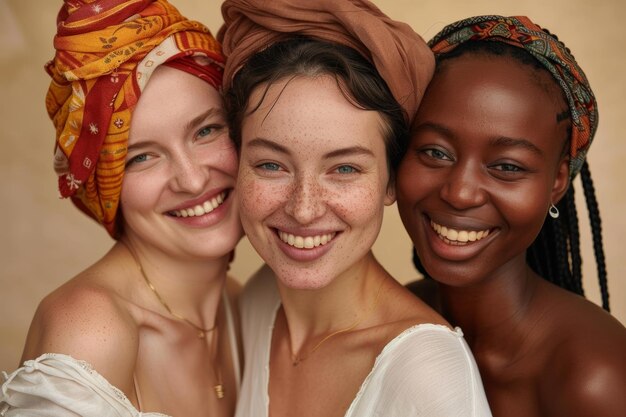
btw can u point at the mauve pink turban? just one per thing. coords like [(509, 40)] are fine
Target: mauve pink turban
[(399, 54)]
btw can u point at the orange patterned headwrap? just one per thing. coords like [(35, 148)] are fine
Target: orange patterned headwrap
[(106, 51)]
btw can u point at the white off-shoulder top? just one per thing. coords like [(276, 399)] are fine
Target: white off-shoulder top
[(61, 386), (426, 371)]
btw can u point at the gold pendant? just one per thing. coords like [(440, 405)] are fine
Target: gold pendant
[(201, 334), (219, 391)]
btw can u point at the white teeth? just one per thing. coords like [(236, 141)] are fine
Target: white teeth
[(201, 209), (459, 236), (305, 242)]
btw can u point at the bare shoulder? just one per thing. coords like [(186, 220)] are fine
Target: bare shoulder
[(587, 375), (89, 322), (401, 309)]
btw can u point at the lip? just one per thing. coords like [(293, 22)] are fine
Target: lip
[(304, 254), (455, 251), (208, 219)]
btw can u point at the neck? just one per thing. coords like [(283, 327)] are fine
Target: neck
[(347, 299), (495, 304), (192, 288)]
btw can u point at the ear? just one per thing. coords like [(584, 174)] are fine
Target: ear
[(390, 195), (561, 180)]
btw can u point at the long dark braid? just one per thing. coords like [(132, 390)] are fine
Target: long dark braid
[(555, 253), (596, 230)]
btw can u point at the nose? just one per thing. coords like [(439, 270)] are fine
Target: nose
[(189, 175), (306, 202), (463, 188)]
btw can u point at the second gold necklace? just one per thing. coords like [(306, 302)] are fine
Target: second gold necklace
[(201, 332)]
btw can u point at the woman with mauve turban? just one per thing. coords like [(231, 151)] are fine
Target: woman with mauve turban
[(142, 147), (319, 96)]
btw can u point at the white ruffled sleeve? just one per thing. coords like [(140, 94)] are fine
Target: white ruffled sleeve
[(58, 385), (427, 371)]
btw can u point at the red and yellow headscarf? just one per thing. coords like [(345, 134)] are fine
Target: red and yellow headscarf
[(521, 32), (106, 51)]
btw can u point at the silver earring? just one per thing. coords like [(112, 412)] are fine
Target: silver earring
[(554, 212)]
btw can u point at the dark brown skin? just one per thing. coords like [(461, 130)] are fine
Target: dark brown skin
[(541, 350)]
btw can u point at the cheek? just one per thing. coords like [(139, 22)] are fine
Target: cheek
[(360, 205), (257, 198), (224, 158), (139, 192), (527, 214), (412, 183)]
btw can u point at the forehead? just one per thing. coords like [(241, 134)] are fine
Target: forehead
[(472, 83), (309, 112), (170, 99)]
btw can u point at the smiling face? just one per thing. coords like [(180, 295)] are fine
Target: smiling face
[(313, 180), (484, 163), (178, 189)]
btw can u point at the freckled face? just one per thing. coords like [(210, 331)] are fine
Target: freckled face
[(313, 180), (178, 190), (483, 165)]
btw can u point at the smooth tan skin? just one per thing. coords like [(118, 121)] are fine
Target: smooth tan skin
[(541, 350), (294, 180), (107, 315)]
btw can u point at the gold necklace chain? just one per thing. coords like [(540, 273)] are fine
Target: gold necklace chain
[(296, 359), (202, 332)]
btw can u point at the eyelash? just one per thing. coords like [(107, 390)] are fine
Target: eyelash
[(136, 159), (274, 167), (515, 168), (353, 170), (212, 128), (436, 154), (265, 166), (501, 169)]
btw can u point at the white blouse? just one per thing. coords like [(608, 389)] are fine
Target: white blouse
[(427, 370)]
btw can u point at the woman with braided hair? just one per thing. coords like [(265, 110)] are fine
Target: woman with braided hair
[(484, 190), (142, 147)]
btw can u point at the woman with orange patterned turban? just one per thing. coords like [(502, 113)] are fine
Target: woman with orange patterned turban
[(142, 147), (485, 192)]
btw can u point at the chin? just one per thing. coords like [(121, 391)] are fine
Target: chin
[(301, 280)]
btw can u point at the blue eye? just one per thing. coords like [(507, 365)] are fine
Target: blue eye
[(205, 131), (270, 166), (346, 169), (143, 157)]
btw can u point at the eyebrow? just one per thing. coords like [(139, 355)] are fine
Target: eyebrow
[(516, 142), (351, 150), (203, 116), (140, 145), (434, 127), (504, 141), (264, 143)]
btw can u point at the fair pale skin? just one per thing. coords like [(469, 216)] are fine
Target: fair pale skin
[(180, 162), (313, 183)]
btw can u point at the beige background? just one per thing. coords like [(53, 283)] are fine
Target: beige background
[(46, 241)]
